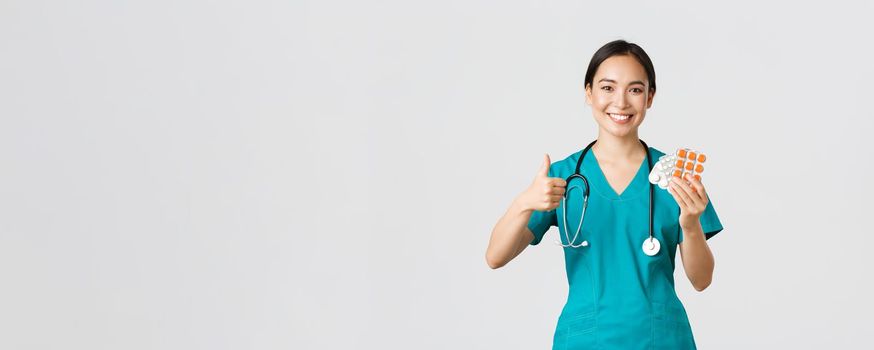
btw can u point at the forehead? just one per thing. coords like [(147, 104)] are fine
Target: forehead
[(622, 69)]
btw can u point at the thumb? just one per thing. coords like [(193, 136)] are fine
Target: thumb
[(544, 169)]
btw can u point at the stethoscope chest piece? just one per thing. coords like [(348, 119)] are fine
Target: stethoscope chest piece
[(651, 246)]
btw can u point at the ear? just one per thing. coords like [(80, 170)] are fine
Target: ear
[(589, 94), (650, 98)]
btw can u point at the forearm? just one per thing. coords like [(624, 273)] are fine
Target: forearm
[(697, 257), (508, 235)]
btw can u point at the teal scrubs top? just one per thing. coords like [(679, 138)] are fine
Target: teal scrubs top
[(619, 297)]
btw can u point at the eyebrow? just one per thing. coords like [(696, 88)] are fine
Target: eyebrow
[(614, 81)]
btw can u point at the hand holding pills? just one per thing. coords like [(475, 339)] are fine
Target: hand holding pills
[(685, 164)]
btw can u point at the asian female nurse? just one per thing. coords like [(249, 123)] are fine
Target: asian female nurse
[(620, 296)]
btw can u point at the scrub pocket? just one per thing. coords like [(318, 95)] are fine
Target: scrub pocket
[(577, 332), (671, 328)]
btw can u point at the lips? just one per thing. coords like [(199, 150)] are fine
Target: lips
[(620, 118)]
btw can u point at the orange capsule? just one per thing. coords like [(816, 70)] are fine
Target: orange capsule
[(690, 166), (681, 153), (701, 158), (699, 168), (692, 156), (680, 163), (697, 177), (677, 173)]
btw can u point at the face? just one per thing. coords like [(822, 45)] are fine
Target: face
[(619, 96)]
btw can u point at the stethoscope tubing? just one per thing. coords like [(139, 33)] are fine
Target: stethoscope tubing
[(582, 177)]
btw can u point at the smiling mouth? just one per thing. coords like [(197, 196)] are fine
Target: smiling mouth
[(620, 118)]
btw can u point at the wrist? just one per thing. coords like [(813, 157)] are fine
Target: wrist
[(691, 230), (690, 223), (520, 205)]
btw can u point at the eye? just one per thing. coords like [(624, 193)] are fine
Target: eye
[(636, 91), (607, 88)]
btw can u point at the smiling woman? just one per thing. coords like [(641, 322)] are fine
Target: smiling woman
[(621, 293), (624, 88)]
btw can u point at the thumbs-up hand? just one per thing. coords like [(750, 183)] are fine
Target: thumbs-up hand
[(545, 193)]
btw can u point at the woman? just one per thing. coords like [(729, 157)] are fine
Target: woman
[(621, 285)]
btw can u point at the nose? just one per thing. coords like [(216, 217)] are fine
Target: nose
[(620, 99)]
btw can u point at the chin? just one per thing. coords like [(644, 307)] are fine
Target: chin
[(620, 131)]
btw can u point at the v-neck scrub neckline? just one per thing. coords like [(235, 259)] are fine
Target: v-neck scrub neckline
[(601, 186)]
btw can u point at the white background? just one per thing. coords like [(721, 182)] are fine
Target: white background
[(326, 174)]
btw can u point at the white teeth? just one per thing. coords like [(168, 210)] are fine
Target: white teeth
[(619, 117)]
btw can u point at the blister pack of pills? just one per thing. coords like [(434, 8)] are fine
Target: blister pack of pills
[(683, 162)]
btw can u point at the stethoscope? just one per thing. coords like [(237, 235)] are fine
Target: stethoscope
[(651, 245)]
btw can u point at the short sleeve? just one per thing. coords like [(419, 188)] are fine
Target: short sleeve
[(539, 223), (710, 223)]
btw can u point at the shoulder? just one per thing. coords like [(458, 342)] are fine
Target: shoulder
[(565, 167), (655, 153)]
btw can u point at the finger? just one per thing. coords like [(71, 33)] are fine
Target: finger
[(677, 198), (554, 183), (683, 190), (698, 187), (544, 168), (693, 198), (554, 204), (675, 192), (555, 198), (558, 190), (687, 179)]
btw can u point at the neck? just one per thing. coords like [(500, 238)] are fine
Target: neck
[(610, 147)]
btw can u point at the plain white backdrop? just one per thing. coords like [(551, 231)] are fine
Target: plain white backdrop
[(326, 174)]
